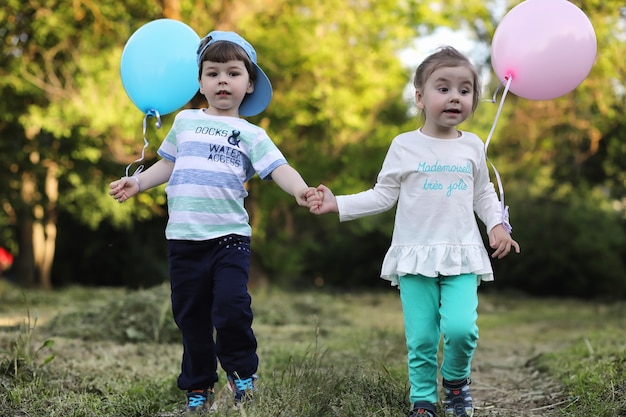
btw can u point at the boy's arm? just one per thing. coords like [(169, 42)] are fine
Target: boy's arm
[(290, 181), (126, 187)]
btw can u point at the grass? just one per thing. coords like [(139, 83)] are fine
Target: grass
[(593, 367), (580, 344), (114, 352)]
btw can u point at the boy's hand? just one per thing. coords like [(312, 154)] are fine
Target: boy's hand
[(124, 188), (302, 197), (501, 241)]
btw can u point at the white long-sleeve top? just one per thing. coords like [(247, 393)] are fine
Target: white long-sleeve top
[(438, 185)]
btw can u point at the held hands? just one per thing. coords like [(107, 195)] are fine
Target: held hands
[(501, 241), (124, 188), (302, 198), (321, 200)]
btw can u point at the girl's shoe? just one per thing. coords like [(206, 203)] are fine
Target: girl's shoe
[(458, 401), (422, 409)]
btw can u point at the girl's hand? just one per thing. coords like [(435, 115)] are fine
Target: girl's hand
[(501, 241), (325, 202), (124, 188), (313, 198)]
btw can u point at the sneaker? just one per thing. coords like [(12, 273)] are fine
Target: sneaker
[(458, 401), (242, 388), (422, 409), (199, 401)]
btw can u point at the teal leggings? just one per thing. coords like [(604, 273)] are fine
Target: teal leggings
[(435, 306)]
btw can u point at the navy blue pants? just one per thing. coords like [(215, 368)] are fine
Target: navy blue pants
[(210, 296)]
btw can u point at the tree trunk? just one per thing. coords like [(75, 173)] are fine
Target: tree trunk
[(44, 241), (45, 230), (25, 261), (37, 229), (171, 9)]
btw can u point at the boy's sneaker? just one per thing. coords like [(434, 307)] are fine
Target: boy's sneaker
[(422, 409), (242, 388), (458, 401), (199, 401)]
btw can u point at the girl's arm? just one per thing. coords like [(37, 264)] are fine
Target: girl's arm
[(382, 197), (489, 210), (290, 181), (126, 187)]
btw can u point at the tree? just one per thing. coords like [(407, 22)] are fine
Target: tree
[(68, 128), (576, 140), (71, 124), (562, 162), (57, 60)]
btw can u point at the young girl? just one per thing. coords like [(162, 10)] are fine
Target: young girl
[(207, 157), (438, 177)]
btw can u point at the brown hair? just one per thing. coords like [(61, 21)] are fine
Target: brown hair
[(446, 56), (224, 51)]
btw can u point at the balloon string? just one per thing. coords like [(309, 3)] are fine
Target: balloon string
[(505, 209), (150, 113), (495, 93)]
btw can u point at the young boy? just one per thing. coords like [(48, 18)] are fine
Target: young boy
[(207, 157)]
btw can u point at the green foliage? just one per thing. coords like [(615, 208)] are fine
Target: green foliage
[(329, 107), (134, 258), (565, 241), (66, 116), (562, 164), (338, 102)]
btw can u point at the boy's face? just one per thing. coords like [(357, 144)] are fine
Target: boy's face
[(225, 85), (446, 100)]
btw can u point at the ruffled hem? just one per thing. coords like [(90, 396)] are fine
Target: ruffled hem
[(436, 260)]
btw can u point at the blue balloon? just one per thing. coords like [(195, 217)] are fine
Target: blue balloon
[(158, 66)]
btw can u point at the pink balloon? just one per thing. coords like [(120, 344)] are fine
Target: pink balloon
[(547, 46)]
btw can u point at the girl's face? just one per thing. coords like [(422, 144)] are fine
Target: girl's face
[(225, 85), (446, 100)]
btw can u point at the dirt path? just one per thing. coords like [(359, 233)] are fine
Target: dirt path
[(506, 384)]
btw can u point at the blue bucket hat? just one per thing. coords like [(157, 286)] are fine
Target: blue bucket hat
[(255, 102)]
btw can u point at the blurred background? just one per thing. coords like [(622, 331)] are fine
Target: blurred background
[(340, 72)]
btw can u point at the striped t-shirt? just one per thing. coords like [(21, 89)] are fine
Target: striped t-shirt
[(213, 157)]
